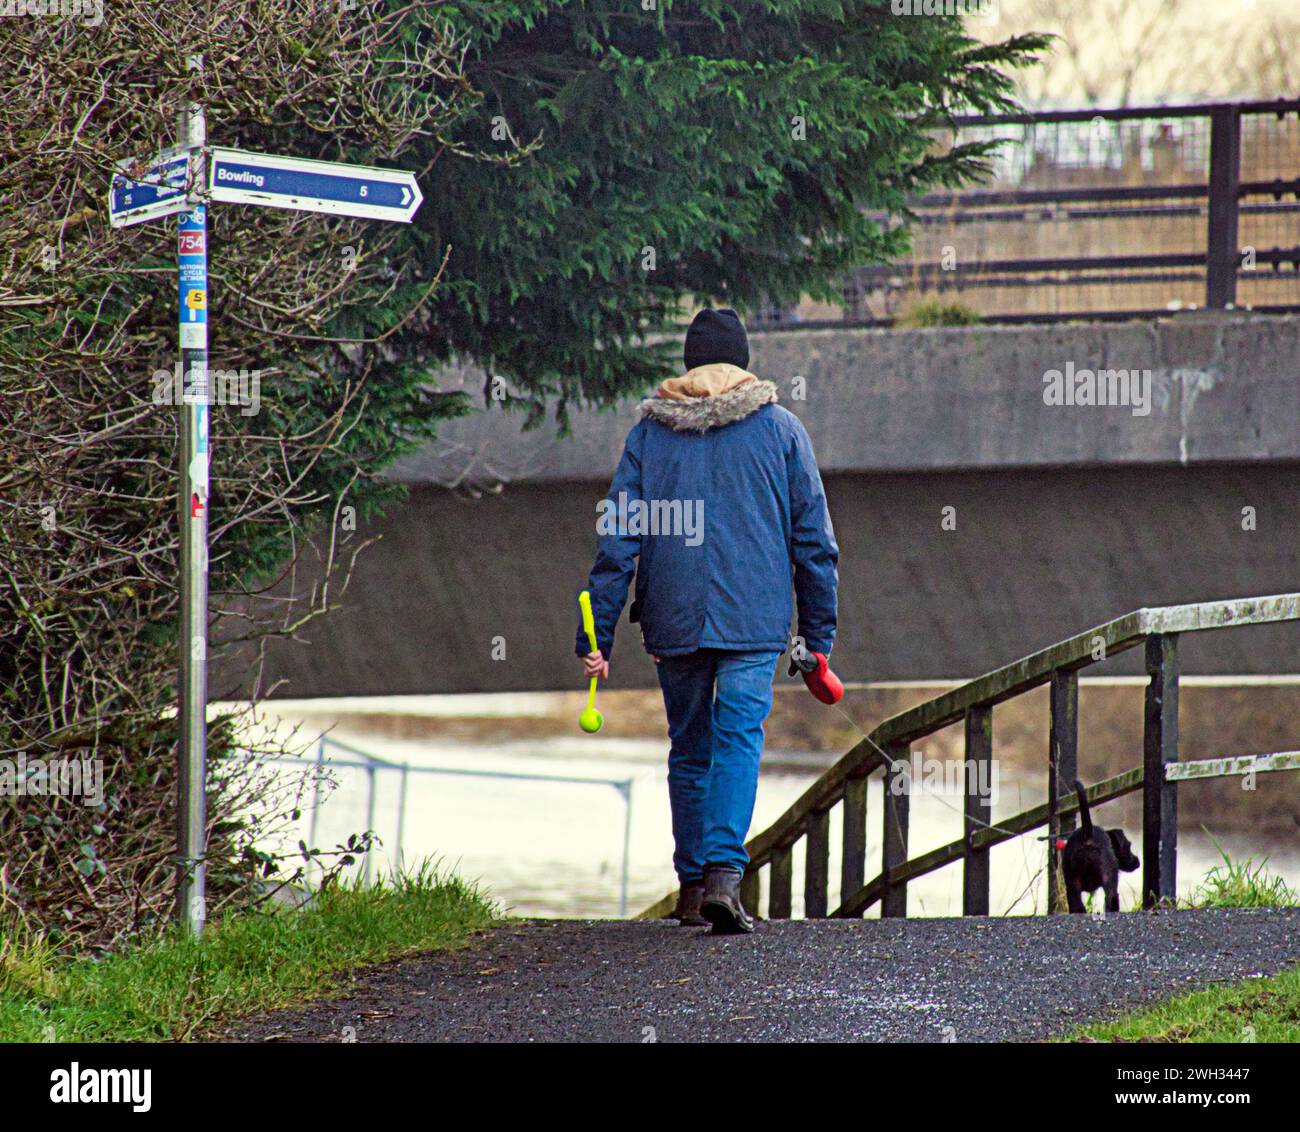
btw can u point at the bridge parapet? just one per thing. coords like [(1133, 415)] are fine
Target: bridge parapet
[(1209, 388)]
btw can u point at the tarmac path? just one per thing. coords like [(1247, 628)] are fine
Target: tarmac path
[(923, 980)]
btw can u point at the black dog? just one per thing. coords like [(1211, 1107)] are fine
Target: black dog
[(1093, 859)]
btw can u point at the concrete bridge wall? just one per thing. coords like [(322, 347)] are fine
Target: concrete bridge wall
[(1065, 515), (1223, 388)]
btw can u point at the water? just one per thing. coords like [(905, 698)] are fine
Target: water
[(544, 848)]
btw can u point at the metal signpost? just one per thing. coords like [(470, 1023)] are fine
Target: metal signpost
[(175, 181)]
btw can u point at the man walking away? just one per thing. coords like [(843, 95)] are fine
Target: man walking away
[(713, 598)]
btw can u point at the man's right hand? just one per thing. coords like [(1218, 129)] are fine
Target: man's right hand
[(595, 664)]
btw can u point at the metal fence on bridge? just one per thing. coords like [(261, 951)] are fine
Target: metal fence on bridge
[(373, 766), (1109, 213)]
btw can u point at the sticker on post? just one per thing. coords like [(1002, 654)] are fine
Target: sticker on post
[(199, 475), (194, 381), (194, 336)]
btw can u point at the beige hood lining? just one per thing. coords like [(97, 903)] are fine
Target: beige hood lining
[(712, 380)]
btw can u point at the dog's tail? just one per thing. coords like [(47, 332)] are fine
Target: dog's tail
[(1085, 815)]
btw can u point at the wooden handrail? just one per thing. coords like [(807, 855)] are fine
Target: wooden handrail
[(1079, 651), (897, 732)]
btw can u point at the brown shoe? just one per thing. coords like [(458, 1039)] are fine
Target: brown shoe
[(721, 906), (688, 906)]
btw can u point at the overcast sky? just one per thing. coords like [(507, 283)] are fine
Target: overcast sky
[(1155, 51)]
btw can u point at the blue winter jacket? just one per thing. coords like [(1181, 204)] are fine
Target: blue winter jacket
[(718, 508)]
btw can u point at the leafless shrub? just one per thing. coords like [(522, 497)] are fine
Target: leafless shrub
[(88, 531)]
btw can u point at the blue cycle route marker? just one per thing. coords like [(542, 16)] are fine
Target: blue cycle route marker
[(192, 279)]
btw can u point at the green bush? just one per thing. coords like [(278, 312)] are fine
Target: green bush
[(935, 313)]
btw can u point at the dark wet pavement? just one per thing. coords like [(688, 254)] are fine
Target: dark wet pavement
[(924, 980)]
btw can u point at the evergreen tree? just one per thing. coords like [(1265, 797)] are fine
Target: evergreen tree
[(725, 150)]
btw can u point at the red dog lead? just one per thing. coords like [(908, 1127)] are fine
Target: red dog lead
[(817, 675)]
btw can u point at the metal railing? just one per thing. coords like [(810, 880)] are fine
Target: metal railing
[(888, 750), (373, 765), (1106, 213)]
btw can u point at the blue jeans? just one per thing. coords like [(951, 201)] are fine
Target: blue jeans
[(717, 702)]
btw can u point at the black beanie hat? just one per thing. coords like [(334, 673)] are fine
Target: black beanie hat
[(716, 336)]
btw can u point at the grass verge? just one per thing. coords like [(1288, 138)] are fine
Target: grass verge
[(1257, 1010), (174, 988)]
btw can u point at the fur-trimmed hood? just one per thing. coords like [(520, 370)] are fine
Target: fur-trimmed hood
[(708, 397)]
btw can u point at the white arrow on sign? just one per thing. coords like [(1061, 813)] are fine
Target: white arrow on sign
[(240, 177), (160, 193)]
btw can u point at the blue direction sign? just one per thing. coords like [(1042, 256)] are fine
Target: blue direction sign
[(240, 177), (159, 192)]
